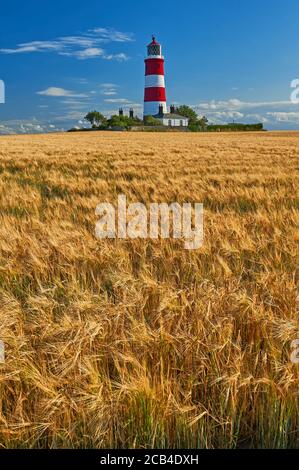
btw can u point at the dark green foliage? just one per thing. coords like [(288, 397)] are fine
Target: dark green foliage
[(151, 121), (123, 121), (187, 112), (96, 119), (235, 127), (196, 124)]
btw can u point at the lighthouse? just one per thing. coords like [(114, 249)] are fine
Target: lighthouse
[(154, 93)]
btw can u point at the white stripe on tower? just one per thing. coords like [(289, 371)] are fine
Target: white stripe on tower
[(154, 93), (154, 81)]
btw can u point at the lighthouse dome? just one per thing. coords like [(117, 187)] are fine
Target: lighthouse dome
[(154, 42)]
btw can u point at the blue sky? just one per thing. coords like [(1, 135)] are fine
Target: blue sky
[(230, 59)]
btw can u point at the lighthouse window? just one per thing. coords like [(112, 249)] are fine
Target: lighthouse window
[(154, 50)]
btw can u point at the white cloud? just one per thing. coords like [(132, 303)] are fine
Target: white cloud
[(257, 118), (34, 46), (108, 85), (108, 89), (77, 106), (291, 117), (27, 127), (89, 53), (118, 100), (108, 92), (109, 34), (60, 92), (229, 114), (71, 115), (268, 112), (85, 46), (74, 102), (119, 57), (235, 104)]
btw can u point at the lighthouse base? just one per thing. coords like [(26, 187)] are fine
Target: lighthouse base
[(151, 108)]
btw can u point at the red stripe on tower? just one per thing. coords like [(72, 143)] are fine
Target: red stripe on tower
[(154, 93), (154, 67)]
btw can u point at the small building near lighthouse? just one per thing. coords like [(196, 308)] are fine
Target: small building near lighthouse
[(172, 119), (155, 103)]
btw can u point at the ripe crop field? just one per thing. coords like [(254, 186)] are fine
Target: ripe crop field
[(141, 343)]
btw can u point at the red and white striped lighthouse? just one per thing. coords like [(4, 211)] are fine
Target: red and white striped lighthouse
[(154, 93)]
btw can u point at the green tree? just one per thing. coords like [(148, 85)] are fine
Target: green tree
[(203, 123), (96, 119), (120, 121), (195, 124), (188, 112), (124, 121), (151, 121)]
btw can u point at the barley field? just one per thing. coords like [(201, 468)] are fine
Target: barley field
[(141, 343)]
